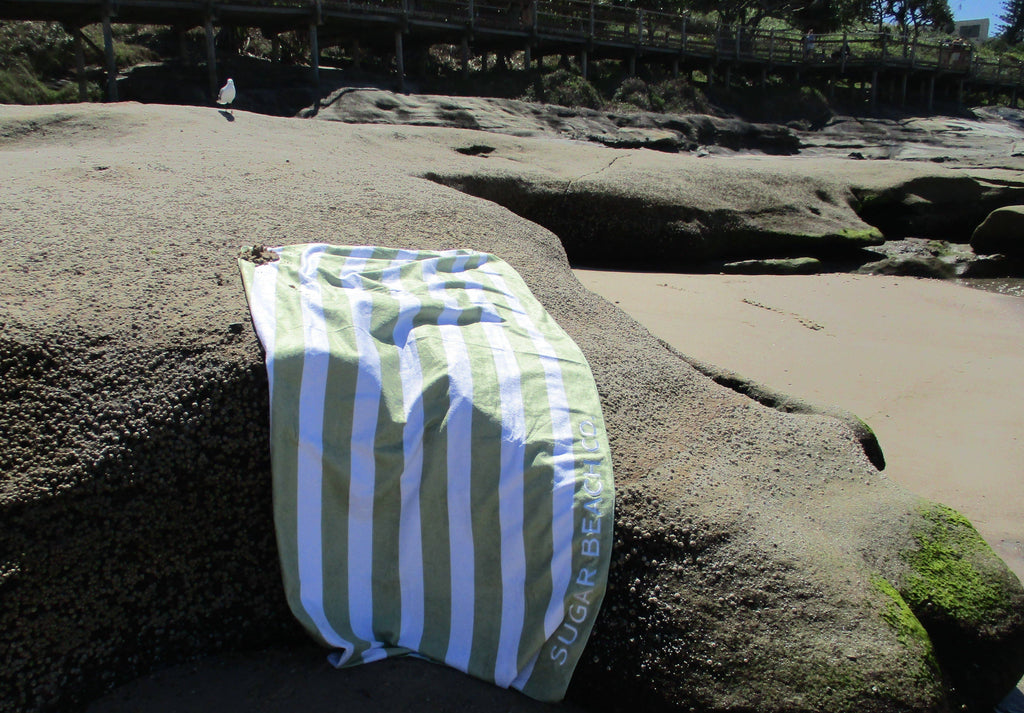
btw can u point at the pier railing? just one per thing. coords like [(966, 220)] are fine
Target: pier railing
[(564, 25)]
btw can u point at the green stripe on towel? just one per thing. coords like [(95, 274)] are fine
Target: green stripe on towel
[(442, 481)]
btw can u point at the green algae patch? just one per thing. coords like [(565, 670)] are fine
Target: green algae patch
[(909, 630), (900, 617), (944, 578), (871, 236)]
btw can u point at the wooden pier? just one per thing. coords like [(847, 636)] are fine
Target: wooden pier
[(587, 29)]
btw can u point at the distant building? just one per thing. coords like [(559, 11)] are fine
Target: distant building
[(973, 30)]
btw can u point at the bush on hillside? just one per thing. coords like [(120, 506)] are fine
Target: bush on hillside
[(633, 93), (565, 88), (44, 49), (38, 63), (677, 96)]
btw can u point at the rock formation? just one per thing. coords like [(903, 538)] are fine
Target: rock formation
[(1002, 231), (762, 561)]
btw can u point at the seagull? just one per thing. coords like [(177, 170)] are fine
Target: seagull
[(227, 93)]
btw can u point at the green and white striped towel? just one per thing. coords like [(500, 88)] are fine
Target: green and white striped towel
[(442, 481)]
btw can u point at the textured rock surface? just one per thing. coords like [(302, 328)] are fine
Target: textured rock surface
[(775, 266), (762, 563), (990, 136), (660, 132), (1002, 231), (700, 209)]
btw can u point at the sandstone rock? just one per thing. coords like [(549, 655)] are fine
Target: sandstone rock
[(943, 206), (660, 132), (909, 266), (761, 563), (1001, 232), (775, 266)]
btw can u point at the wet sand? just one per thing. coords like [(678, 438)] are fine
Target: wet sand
[(936, 369)]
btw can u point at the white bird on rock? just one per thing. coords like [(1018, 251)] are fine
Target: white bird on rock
[(227, 93)]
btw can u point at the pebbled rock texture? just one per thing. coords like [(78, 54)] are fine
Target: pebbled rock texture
[(762, 562)]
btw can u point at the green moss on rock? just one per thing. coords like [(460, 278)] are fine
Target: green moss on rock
[(900, 617), (869, 235), (943, 574)]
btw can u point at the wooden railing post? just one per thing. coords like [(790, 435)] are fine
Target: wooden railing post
[(913, 52), (885, 49), (684, 35), (739, 31), (771, 46), (591, 19), (844, 50)]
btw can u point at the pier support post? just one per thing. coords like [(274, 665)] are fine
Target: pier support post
[(314, 60), (675, 68), (465, 56), (183, 53), (108, 50), (583, 63), (83, 85), (400, 60), (211, 59), (631, 70), (931, 92), (874, 90), (711, 75), (903, 89)]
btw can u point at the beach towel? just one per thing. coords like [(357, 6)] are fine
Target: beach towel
[(441, 476)]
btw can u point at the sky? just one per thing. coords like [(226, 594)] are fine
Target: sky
[(977, 10)]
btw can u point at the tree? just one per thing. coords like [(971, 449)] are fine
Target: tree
[(823, 15), (828, 16), (1012, 29), (911, 16)]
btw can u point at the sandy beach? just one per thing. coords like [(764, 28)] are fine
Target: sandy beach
[(936, 369)]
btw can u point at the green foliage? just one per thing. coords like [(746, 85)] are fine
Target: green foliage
[(19, 85), (633, 93), (565, 88), (1012, 19), (38, 64), (780, 104), (45, 49), (679, 97)]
